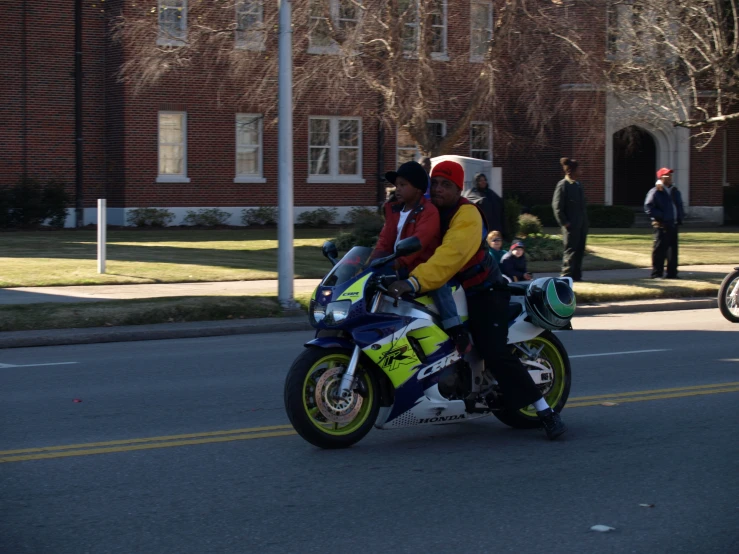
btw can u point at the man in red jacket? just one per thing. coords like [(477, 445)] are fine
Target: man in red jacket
[(414, 215)]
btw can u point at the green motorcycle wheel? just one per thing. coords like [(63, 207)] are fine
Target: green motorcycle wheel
[(551, 353), (315, 412)]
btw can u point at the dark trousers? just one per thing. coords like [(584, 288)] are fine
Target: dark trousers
[(488, 321), (574, 240), (665, 246)]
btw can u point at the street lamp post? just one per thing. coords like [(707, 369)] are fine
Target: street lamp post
[(285, 267)]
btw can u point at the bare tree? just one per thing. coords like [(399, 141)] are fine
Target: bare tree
[(404, 52)]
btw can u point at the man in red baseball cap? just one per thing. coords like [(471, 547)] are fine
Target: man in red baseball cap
[(664, 205), (463, 255)]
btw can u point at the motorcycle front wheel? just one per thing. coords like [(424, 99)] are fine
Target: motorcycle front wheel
[(313, 408), (728, 302), (551, 353)]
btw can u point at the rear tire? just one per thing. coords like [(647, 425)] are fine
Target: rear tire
[(554, 353), (723, 297), (313, 410)]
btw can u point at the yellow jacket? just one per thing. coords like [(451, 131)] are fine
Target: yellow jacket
[(459, 244)]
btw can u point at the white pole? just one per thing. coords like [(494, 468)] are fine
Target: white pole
[(285, 268), (102, 228)]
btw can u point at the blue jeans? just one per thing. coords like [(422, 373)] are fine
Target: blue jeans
[(447, 308)]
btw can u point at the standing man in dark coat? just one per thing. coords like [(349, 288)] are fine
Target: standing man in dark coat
[(488, 201), (568, 204), (664, 204)]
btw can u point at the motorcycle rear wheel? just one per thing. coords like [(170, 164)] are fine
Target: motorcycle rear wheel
[(319, 417), (729, 306), (553, 351)]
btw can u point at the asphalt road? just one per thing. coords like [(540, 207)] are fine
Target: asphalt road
[(660, 468)]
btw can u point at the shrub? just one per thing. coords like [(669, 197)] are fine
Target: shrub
[(358, 213), (610, 216), (364, 232), (543, 248), (528, 225), (29, 203), (319, 217), (149, 217), (266, 215), (512, 210), (545, 213), (206, 217)]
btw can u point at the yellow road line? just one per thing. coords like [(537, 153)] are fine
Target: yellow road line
[(88, 452), (656, 391), (147, 439), (249, 433)]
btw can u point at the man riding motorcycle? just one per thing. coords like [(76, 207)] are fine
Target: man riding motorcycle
[(463, 254)]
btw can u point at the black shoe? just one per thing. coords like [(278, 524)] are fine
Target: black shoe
[(461, 339), (672, 277), (553, 424), (658, 277)]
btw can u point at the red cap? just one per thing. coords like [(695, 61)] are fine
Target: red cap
[(662, 172), (449, 170)]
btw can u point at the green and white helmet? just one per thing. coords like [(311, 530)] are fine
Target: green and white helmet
[(550, 303)]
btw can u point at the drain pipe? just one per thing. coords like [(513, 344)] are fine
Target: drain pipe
[(24, 92), (79, 211)]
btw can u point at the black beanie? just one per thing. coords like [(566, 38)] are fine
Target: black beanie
[(413, 172)]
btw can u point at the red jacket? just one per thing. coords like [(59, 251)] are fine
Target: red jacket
[(422, 222)]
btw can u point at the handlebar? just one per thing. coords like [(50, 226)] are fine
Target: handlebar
[(382, 287)]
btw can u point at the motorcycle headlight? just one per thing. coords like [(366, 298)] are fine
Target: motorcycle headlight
[(317, 312), (336, 312)]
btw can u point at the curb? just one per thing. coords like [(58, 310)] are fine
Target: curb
[(195, 329)]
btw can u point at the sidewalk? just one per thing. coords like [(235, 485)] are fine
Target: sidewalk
[(88, 293)]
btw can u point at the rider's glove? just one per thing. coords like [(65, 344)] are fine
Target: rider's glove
[(399, 288)]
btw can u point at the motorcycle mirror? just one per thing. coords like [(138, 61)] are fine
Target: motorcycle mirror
[(408, 246), (330, 251)]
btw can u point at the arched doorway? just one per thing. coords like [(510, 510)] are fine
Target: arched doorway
[(634, 165)]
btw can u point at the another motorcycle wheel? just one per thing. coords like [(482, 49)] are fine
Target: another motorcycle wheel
[(728, 297), (548, 351), (313, 408)]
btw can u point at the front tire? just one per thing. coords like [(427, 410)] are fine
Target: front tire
[(554, 355), (315, 413), (728, 305)]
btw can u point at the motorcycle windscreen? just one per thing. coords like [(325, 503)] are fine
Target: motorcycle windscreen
[(351, 265)]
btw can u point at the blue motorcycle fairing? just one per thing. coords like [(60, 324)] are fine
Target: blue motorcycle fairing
[(330, 342)]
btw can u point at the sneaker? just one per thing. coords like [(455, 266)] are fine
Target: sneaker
[(553, 424), (461, 339)]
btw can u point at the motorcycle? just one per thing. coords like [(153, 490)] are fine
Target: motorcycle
[(385, 362), (728, 296)]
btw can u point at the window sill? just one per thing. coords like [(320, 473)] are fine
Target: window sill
[(324, 50), (477, 59), (172, 179), (255, 180), (173, 42), (340, 180), (439, 57), (251, 46)]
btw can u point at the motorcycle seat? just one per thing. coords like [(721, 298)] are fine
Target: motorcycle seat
[(514, 310)]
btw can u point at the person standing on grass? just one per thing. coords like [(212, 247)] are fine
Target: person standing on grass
[(664, 204), (426, 164), (570, 211), (490, 203)]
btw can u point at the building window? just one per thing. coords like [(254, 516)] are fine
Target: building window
[(480, 141), (637, 33), (249, 148), (408, 13), (173, 147), (172, 22), (437, 11), (325, 14), (250, 24), (481, 20), (408, 150), (335, 149)]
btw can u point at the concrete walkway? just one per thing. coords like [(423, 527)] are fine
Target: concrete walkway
[(34, 295)]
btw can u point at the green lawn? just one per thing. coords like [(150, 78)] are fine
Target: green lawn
[(68, 257)]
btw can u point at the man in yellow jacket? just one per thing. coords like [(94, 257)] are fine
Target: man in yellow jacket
[(463, 254)]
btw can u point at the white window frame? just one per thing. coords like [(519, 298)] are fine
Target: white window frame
[(333, 48), (243, 43), (248, 177), (417, 156), (173, 177), (415, 24), (334, 176), (444, 54), (476, 57), (164, 39), (490, 139), (626, 36)]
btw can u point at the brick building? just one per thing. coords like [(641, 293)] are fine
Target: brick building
[(176, 147)]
